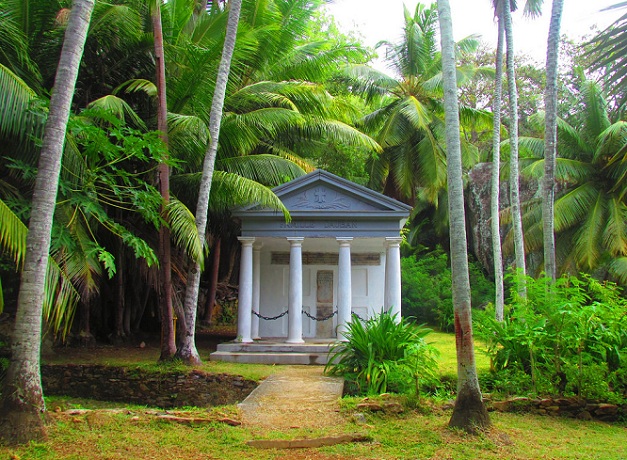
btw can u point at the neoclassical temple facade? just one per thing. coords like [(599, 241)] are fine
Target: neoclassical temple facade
[(338, 255)]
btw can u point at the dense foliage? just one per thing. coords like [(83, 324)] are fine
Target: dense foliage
[(384, 354), (569, 337), (426, 289)]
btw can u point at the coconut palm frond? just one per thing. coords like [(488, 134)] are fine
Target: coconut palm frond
[(615, 232), (618, 269), (188, 137), (588, 237), (415, 111), (137, 85), (573, 207), (16, 99), (60, 297), (233, 190), (12, 234), (268, 170), (596, 118), (184, 232), (337, 132), (60, 300), (480, 120), (531, 146), (113, 105)]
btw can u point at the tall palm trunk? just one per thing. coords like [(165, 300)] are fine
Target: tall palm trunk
[(213, 280), (550, 139), (497, 253), (168, 345), (187, 352), (22, 402), (517, 228), (469, 413)]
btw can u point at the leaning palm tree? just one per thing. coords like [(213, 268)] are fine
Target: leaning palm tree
[(469, 412), (22, 396), (187, 351)]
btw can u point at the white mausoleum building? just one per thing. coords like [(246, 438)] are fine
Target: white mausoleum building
[(340, 254)]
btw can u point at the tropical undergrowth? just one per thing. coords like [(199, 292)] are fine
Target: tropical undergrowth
[(384, 354), (426, 290), (567, 338)]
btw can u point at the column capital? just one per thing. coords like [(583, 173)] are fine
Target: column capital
[(344, 240), (257, 246), (393, 240), (295, 240), (246, 240)]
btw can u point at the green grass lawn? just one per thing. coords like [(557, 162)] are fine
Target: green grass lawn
[(444, 342), (415, 434), (419, 432)]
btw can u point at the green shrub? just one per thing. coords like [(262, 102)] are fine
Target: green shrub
[(567, 337), (384, 355), (426, 289)]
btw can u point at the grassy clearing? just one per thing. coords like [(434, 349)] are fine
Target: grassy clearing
[(135, 434), (447, 361)]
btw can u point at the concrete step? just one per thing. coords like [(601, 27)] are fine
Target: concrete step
[(271, 347), (275, 351), (268, 357)]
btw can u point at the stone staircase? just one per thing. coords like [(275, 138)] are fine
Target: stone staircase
[(274, 351)]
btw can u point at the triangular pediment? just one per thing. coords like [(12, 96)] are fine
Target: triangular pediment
[(322, 205), (321, 191)]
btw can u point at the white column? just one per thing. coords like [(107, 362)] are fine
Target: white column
[(244, 310), (295, 295), (393, 277), (344, 287), (256, 290)]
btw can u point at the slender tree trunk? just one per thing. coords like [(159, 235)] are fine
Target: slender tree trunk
[(22, 402), (496, 171), (469, 413), (187, 352), (213, 280), (118, 334), (550, 140), (168, 345), (517, 228)]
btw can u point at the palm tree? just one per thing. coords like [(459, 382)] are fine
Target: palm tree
[(168, 345), (591, 212), (496, 169), (187, 351), (550, 137), (469, 413), (22, 396), (408, 120), (517, 228)]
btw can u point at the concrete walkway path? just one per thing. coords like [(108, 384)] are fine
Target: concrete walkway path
[(297, 397)]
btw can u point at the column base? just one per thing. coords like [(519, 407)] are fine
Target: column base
[(295, 341)]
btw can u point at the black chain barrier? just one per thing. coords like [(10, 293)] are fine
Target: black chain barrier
[(270, 318), (359, 317), (273, 318), (324, 318)]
